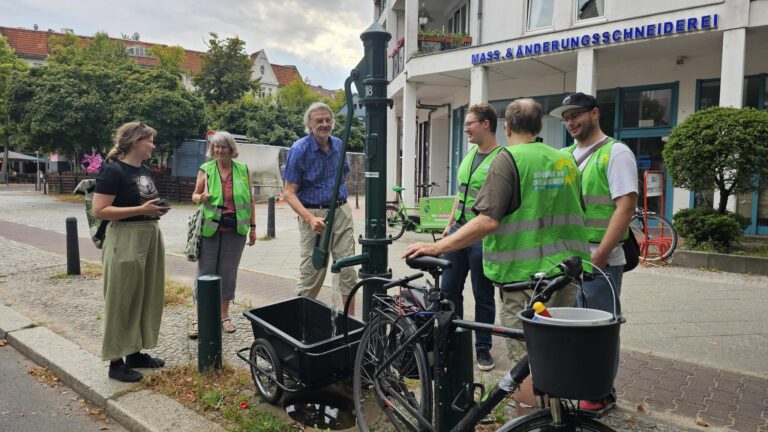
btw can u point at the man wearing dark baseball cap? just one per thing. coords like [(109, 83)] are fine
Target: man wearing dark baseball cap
[(579, 101), (609, 187)]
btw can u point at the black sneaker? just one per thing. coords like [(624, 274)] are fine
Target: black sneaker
[(123, 373), (143, 361), (484, 359)]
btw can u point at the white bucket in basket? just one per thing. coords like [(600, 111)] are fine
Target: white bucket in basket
[(569, 316)]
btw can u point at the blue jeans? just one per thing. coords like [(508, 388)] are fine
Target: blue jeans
[(470, 259), (597, 295)]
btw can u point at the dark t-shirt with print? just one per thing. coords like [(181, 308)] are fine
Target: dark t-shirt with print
[(132, 186)]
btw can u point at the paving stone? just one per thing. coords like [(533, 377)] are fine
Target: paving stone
[(755, 386), (671, 384), (687, 409), (752, 398), (748, 410), (634, 395), (727, 385), (695, 385), (662, 399), (722, 397), (744, 424), (643, 384), (719, 410), (632, 364), (650, 374), (694, 397), (677, 374)]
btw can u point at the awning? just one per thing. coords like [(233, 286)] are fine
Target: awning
[(21, 156)]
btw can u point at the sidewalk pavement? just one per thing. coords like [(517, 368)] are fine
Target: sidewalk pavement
[(694, 346)]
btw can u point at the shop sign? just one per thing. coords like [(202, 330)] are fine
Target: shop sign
[(705, 22)]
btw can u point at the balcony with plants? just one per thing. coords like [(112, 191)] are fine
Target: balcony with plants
[(447, 33)]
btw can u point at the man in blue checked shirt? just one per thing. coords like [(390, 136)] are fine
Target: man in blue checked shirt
[(309, 175)]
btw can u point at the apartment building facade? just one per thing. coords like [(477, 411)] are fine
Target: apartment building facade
[(650, 63)]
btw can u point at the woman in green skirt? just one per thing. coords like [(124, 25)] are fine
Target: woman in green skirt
[(133, 253)]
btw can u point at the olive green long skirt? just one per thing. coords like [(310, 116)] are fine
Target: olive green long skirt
[(134, 279)]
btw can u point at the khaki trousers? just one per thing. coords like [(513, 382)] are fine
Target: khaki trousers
[(342, 245), (514, 302)]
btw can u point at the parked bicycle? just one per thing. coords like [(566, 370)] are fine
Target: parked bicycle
[(402, 218), (403, 349), (656, 236)]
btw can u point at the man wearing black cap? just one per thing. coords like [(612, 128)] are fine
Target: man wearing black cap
[(609, 186)]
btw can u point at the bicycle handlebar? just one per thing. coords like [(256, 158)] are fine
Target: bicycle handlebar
[(570, 269), (404, 281)]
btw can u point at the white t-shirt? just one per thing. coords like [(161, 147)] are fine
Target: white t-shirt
[(622, 179)]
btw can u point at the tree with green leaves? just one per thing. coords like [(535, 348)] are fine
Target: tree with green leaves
[(11, 68), (296, 96), (158, 98), (102, 50), (65, 108), (169, 58), (226, 72), (719, 147)]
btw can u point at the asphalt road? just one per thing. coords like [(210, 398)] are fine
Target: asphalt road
[(27, 405)]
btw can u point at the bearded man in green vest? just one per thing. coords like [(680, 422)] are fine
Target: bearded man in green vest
[(609, 185), (529, 214), (480, 127)]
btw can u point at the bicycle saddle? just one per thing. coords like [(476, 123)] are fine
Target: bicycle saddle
[(398, 188), (428, 263)]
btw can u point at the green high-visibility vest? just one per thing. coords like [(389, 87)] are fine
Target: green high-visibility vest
[(241, 192), (597, 193), (470, 182), (549, 225)]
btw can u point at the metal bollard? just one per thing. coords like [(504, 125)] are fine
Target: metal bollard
[(461, 375), (209, 322), (73, 248), (271, 217)]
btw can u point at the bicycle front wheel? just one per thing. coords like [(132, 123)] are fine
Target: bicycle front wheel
[(541, 421), (661, 241), (395, 222), (402, 389)]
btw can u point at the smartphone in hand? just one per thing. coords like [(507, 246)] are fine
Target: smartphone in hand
[(162, 203)]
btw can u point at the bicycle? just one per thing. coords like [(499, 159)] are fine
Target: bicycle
[(656, 235), (402, 351), (397, 212)]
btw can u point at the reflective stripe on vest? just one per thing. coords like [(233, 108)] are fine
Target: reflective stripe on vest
[(241, 193), (471, 181), (597, 192), (549, 224)]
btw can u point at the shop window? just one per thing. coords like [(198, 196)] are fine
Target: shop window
[(606, 100), (540, 13), (646, 108), (590, 9), (709, 93)]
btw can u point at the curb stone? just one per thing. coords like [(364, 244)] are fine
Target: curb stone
[(143, 411)]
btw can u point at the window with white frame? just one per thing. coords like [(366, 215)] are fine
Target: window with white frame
[(458, 22), (590, 9), (138, 51), (540, 13)]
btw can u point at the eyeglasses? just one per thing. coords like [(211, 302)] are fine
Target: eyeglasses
[(469, 123), (574, 115), (136, 128)]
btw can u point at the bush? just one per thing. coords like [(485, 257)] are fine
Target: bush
[(705, 228)]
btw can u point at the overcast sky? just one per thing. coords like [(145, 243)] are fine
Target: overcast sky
[(320, 37)]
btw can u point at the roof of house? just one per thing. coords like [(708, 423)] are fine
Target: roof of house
[(33, 44), (285, 74), (324, 92)]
